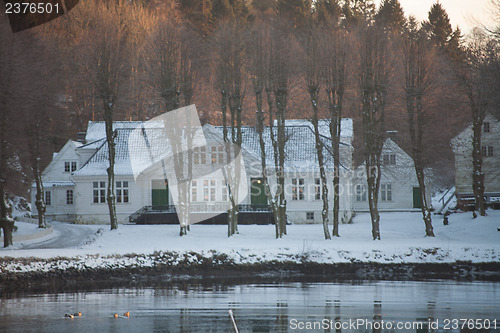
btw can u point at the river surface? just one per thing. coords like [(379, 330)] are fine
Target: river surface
[(351, 306)]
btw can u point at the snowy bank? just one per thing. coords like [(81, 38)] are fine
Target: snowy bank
[(464, 240)]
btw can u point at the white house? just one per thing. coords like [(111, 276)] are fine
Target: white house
[(462, 148), (75, 181), (399, 189)]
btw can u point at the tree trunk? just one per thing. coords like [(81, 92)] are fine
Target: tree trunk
[(6, 223), (110, 139), (313, 89), (477, 161)]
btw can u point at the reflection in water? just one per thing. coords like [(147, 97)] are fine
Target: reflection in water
[(261, 307)]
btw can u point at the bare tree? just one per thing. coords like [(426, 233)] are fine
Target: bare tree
[(107, 69), (313, 80), (171, 77), (417, 61), (259, 64), (478, 75), (374, 80), (335, 75), (277, 91), (34, 135), (230, 85), (7, 57)]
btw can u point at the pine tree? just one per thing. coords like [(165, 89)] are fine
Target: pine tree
[(357, 12), (391, 16), (297, 11), (328, 11), (231, 9), (441, 33)]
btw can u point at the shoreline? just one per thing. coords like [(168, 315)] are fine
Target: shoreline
[(225, 270)]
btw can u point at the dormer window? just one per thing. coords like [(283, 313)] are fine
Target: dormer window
[(69, 166), (389, 159), (486, 127)]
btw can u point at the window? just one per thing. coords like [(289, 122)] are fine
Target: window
[(69, 197), (99, 192), (209, 190), (212, 189), (317, 189), (199, 155), (194, 190), (486, 127), (297, 188), (389, 159), (386, 192), (121, 192), (48, 198), (487, 151), (310, 216), (360, 193), (223, 184), (217, 157), (69, 166)]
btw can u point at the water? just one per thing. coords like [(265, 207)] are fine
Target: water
[(261, 307)]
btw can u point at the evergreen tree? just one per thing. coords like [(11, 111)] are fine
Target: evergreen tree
[(391, 16), (231, 9), (438, 26), (441, 33), (357, 11), (296, 11), (328, 11)]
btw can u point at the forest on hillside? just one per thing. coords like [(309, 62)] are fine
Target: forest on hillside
[(142, 58)]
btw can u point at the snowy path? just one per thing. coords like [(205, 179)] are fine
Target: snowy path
[(64, 236)]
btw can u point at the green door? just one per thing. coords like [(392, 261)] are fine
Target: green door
[(417, 197), (258, 192), (159, 194)]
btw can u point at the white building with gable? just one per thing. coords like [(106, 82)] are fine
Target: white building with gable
[(75, 181)]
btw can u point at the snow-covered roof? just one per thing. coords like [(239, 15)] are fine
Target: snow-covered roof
[(125, 143), (300, 147), (96, 130), (466, 134), (93, 145), (346, 127), (147, 149)]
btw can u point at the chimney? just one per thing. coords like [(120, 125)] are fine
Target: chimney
[(393, 135), (80, 137)]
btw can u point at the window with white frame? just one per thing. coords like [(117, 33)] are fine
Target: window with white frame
[(69, 197), (122, 192), (48, 198), (389, 159), (317, 189), (297, 188), (360, 192), (386, 192), (99, 192), (200, 155), (487, 151), (209, 190), (69, 166), (486, 127), (212, 189), (216, 154), (310, 216), (194, 190), (223, 188)]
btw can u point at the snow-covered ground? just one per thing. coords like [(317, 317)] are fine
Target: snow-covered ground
[(403, 241)]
